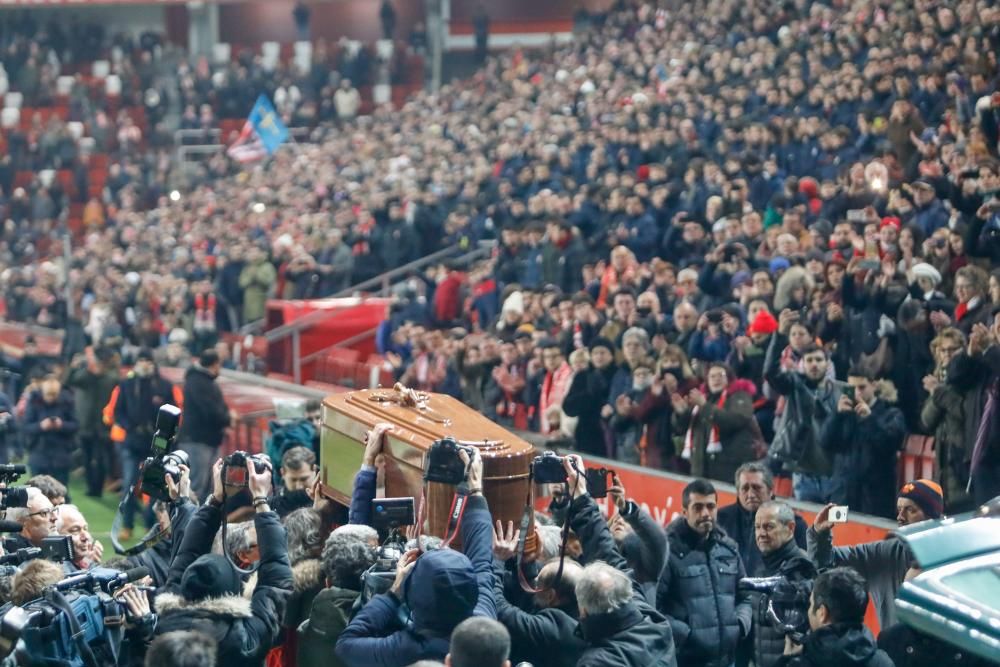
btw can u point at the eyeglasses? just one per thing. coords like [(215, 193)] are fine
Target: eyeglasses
[(48, 513)]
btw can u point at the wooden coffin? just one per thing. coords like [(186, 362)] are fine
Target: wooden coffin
[(418, 420)]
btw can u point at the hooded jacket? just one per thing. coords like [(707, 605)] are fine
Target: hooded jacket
[(203, 591), (839, 645), (698, 593), (635, 634), (883, 564), (794, 565), (206, 414), (318, 634), (444, 588), (733, 421)]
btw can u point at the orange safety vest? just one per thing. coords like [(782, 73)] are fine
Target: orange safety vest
[(108, 413)]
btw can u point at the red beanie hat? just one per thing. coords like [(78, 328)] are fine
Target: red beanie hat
[(764, 323)]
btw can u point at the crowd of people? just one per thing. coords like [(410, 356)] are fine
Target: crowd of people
[(268, 571)]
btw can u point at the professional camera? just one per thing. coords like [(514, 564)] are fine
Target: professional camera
[(76, 622), (444, 464), (234, 467), (163, 461), (11, 472), (21, 556), (548, 469), (13, 497), (788, 603), (379, 577)]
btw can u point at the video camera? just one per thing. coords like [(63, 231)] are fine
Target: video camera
[(11, 472), (444, 464), (77, 622), (163, 461), (548, 469), (788, 603), (56, 548)]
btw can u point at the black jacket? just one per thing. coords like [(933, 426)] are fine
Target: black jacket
[(206, 414), (645, 550), (698, 593), (244, 628), (547, 637), (587, 394), (159, 557), (634, 635), (738, 524), (839, 645), (794, 565), (53, 448), (863, 452), (798, 431), (138, 401)]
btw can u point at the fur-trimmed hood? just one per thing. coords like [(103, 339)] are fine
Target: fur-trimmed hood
[(789, 281), (887, 391), (232, 606)]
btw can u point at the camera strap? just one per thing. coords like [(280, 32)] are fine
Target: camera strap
[(522, 538), (455, 514), (56, 599), (151, 538)]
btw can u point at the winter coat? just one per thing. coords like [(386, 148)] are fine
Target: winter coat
[(545, 637), (883, 564), (256, 281), (738, 524), (645, 550), (635, 634), (943, 416), (587, 394), (975, 377), (439, 588), (733, 421), (794, 565), (136, 406), (318, 634), (244, 628), (157, 559), (839, 645), (206, 414), (864, 457), (907, 647), (698, 593), (91, 394), (307, 582), (52, 449), (797, 432)]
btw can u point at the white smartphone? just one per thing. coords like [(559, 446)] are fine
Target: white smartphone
[(838, 514)]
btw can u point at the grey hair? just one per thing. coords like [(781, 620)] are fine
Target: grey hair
[(238, 539), (602, 589), (550, 541), (755, 467), (782, 510), (347, 554), (20, 514), (427, 542), (305, 534), (636, 332), (59, 515)]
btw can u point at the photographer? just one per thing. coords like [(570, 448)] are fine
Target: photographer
[(136, 405), (838, 635), (206, 419), (86, 550), (441, 589), (617, 624), (774, 526), (37, 518), (173, 518), (203, 591)]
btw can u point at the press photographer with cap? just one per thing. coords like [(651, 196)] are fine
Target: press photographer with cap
[(441, 588), (883, 564), (204, 590)]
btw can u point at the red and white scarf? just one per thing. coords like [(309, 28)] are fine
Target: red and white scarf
[(714, 442)]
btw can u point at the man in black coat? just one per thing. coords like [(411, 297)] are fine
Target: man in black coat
[(206, 417), (588, 395), (838, 636), (754, 486), (619, 627), (204, 590), (862, 439), (49, 428), (698, 587), (774, 525)]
